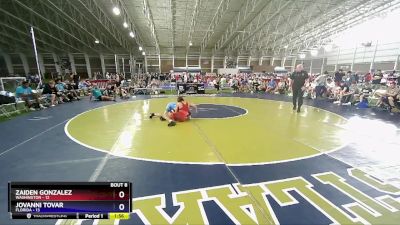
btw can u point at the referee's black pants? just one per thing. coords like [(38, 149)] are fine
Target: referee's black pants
[(297, 97)]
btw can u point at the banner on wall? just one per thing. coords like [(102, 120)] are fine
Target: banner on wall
[(227, 71), (191, 88)]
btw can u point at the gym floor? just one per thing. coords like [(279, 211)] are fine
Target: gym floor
[(241, 159)]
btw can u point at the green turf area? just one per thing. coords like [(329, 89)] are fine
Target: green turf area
[(12, 116)]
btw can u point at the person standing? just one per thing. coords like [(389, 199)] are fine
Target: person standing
[(297, 81), (75, 78)]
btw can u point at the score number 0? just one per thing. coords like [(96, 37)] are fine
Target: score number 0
[(121, 206)]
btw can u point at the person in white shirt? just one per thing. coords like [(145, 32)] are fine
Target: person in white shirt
[(330, 87), (319, 88)]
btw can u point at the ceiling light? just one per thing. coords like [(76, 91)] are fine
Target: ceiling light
[(190, 43), (302, 55), (131, 34), (125, 24), (286, 46), (96, 41), (116, 10), (328, 47), (367, 44), (140, 48), (314, 52), (143, 53)]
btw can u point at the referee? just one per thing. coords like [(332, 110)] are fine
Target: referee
[(297, 80)]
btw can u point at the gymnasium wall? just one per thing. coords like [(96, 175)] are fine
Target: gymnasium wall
[(360, 57)]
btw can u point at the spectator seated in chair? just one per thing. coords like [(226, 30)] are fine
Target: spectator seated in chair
[(216, 84), (110, 90), (75, 80), (98, 95), (71, 90), (271, 86), (24, 93), (281, 88), (330, 87), (62, 92), (256, 85), (50, 91), (84, 87), (339, 76), (376, 79), (363, 104), (320, 88), (390, 98), (122, 92), (356, 92), (365, 92), (344, 95)]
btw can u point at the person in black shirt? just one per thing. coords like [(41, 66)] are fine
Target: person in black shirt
[(75, 78), (297, 80), (71, 90), (50, 91), (377, 78), (339, 76)]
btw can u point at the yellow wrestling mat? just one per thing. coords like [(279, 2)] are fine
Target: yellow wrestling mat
[(256, 131)]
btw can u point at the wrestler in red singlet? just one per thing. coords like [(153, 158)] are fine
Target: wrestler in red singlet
[(183, 111)]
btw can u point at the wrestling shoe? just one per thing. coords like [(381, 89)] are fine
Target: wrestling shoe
[(151, 115), (298, 110), (172, 123), (162, 118)]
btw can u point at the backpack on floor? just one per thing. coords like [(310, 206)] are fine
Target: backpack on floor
[(6, 99)]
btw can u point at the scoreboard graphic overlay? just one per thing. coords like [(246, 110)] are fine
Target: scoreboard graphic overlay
[(70, 200)]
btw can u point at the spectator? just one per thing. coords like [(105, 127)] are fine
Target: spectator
[(62, 92), (368, 77), (255, 85), (110, 90), (71, 90), (50, 91), (235, 84), (344, 96), (75, 78), (271, 86), (281, 87), (390, 97), (354, 78), (355, 93), (365, 92), (223, 82), (24, 92), (347, 78), (330, 87), (216, 84), (84, 87), (377, 78), (298, 79), (338, 77), (320, 82), (98, 95)]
